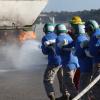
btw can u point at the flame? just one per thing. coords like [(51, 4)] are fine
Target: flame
[(27, 35)]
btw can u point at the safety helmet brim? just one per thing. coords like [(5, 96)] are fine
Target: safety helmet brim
[(81, 23)]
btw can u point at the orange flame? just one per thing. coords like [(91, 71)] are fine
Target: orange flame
[(27, 35)]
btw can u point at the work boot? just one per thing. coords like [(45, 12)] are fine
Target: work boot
[(64, 97), (52, 97)]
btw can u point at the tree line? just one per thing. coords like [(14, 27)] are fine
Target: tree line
[(65, 16)]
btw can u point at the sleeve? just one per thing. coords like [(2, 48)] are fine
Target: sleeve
[(43, 47), (58, 48), (94, 46), (79, 51), (48, 49), (69, 46)]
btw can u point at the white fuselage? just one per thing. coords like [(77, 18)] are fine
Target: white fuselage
[(20, 12)]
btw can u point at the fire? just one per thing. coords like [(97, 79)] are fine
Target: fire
[(27, 35)]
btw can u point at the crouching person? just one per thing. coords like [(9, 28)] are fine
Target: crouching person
[(54, 61)]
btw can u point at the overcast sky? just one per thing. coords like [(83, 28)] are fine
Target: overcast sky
[(72, 5)]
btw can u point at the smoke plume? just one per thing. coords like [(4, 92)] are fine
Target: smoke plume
[(28, 55)]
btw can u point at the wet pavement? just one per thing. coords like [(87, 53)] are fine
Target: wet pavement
[(22, 85)]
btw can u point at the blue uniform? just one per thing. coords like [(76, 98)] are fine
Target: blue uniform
[(69, 63), (94, 46), (53, 58), (54, 63), (85, 62), (81, 45), (68, 59)]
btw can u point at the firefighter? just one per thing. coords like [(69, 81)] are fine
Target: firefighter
[(54, 61), (77, 73), (64, 48), (81, 48), (92, 28)]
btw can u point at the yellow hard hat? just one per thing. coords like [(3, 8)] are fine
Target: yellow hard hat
[(76, 20)]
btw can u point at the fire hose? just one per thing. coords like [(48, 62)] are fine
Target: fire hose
[(87, 88)]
